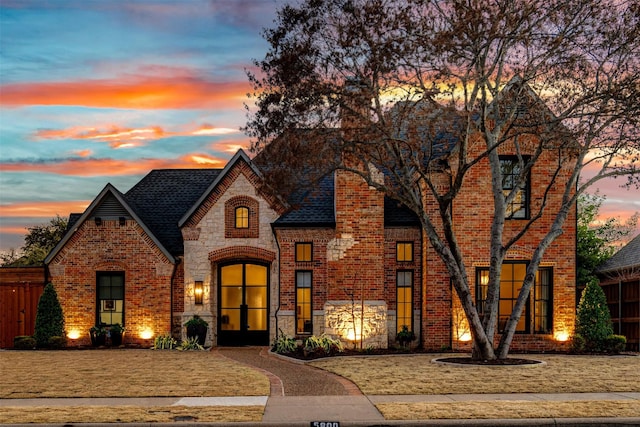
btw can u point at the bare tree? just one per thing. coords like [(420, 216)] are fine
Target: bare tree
[(430, 92)]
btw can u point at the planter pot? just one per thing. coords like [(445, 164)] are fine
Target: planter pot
[(199, 331), (116, 339), (98, 340)]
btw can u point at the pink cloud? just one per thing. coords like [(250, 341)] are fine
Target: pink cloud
[(172, 92), (112, 167)]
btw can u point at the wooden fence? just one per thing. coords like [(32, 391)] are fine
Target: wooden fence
[(20, 290)]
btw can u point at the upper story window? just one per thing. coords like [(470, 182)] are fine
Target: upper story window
[(404, 251), (512, 169), (242, 217), (304, 252)]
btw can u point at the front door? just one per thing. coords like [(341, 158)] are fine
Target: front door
[(244, 301)]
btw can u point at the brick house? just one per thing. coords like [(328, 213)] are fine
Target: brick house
[(348, 262)]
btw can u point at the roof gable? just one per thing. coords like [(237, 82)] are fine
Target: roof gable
[(239, 163), (110, 203)]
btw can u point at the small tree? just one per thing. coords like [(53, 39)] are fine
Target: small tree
[(49, 317), (593, 322)]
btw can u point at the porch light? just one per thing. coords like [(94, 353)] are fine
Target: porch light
[(98, 221), (198, 291), (484, 277)]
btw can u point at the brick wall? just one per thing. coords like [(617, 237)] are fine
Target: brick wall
[(118, 248), (472, 216)]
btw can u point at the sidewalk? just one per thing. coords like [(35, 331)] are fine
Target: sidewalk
[(347, 410)]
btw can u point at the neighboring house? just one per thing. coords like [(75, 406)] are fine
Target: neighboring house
[(620, 279), (347, 261)]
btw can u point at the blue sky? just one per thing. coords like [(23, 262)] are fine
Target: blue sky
[(95, 92)]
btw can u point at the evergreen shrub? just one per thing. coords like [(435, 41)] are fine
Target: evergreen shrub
[(24, 342), (593, 320), (49, 317)]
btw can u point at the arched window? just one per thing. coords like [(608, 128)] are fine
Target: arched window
[(242, 217)]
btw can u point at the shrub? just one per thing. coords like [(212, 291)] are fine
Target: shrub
[(57, 342), (322, 345), (284, 344), (24, 342), (616, 343), (164, 342), (190, 344), (578, 343), (49, 317), (593, 321)]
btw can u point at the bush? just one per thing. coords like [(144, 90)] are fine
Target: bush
[(24, 342), (616, 343), (593, 320), (284, 344), (49, 317), (322, 345), (578, 343), (191, 344), (164, 342), (57, 342)]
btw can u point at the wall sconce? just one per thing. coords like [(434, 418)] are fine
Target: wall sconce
[(484, 277), (98, 221), (123, 221), (198, 291)]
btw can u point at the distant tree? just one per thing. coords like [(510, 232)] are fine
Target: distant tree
[(433, 72), (597, 240), (49, 317), (38, 242)]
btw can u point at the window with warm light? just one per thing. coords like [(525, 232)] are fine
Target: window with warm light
[(242, 217), (404, 251), (404, 300), (511, 280), (110, 299), (304, 323), (304, 252)]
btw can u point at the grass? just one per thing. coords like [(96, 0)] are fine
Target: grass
[(147, 373), (418, 375), (125, 373)]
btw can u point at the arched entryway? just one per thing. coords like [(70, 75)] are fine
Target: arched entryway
[(243, 309)]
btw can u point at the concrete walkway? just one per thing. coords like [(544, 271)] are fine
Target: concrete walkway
[(301, 395)]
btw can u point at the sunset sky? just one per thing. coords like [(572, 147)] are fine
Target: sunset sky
[(95, 92)]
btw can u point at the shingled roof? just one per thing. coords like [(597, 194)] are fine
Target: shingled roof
[(163, 196), (316, 209), (627, 257)]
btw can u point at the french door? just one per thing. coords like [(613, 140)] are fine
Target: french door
[(243, 311)]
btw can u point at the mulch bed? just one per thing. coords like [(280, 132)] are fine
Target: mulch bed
[(462, 360), (510, 361)]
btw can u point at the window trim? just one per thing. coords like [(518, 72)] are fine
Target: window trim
[(244, 218), (301, 244), (411, 287), (480, 302), (310, 287), (526, 190), (404, 252), (99, 301)]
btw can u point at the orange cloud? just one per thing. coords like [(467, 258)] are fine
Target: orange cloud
[(173, 92), (121, 137), (40, 210), (111, 167)]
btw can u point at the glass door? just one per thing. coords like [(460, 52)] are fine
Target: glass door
[(243, 309)]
